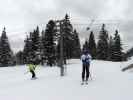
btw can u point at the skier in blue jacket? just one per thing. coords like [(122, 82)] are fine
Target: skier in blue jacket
[(86, 59)]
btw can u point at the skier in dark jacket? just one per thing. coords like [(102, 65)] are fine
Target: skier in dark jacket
[(86, 59)]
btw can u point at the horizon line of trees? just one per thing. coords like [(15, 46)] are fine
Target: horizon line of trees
[(107, 48), (43, 47)]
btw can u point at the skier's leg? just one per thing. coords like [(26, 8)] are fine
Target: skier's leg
[(33, 74), (87, 71), (83, 72)]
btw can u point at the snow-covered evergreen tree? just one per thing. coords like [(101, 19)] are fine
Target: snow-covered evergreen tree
[(27, 52), (42, 48), (6, 54), (67, 31), (76, 50), (117, 48), (48, 42), (102, 46), (92, 45), (36, 42), (110, 48)]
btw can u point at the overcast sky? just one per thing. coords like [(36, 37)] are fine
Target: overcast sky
[(21, 16)]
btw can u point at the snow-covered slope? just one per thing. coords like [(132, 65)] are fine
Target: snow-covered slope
[(108, 83)]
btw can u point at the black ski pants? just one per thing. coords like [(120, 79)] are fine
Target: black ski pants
[(85, 71), (33, 74)]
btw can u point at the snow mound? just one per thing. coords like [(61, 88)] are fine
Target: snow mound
[(128, 65)]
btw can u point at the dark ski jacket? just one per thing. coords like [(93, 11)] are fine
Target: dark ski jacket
[(86, 58)]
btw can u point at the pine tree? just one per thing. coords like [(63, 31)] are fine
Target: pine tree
[(110, 48), (92, 45), (67, 30), (117, 48), (27, 52), (35, 39), (76, 50), (49, 42), (102, 46), (6, 54), (32, 50), (42, 48)]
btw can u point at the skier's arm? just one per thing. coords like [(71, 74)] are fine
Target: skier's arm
[(81, 57), (35, 67)]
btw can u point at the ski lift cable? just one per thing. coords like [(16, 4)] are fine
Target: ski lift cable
[(92, 21)]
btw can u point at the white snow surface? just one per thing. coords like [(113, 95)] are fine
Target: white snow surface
[(109, 83)]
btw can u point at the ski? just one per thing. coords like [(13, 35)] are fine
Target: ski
[(82, 83), (34, 78), (86, 82)]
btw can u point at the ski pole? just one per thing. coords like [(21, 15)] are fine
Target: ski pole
[(90, 76)]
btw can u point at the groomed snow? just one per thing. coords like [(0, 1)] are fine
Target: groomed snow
[(108, 83)]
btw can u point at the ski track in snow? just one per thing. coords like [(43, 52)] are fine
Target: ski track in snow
[(108, 83)]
